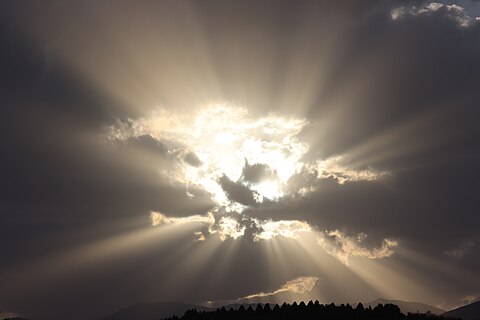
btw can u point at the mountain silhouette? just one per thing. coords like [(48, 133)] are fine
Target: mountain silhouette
[(153, 311), (468, 312), (162, 310), (308, 311), (407, 306)]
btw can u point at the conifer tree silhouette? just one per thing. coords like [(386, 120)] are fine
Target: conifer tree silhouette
[(310, 311)]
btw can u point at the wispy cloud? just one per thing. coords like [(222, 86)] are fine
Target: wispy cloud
[(461, 250), (343, 246), (297, 285)]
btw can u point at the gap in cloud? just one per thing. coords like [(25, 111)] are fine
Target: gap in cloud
[(240, 160), (244, 162)]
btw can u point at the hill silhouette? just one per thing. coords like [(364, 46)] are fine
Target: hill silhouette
[(310, 311), (468, 312), (407, 306), (153, 311)]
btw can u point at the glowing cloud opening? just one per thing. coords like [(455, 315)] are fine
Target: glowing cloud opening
[(221, 141), (242, 161)]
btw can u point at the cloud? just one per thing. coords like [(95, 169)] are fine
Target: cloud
[(228, 227), (223, 139), (453, 11), (297, 285), (342, 246), (257, 172), (461, 250), (225, 226), (336, 167), (235, 225), (158, 219), (285, 228), (4, 315), (147, 143), (238, 159), (192, 159), (470, 298), (237, 192)]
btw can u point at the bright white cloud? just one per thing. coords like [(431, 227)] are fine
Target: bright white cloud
[(158, 218), (225, 227), (285, 228), (456, 11), (342, 246), (228, 227)]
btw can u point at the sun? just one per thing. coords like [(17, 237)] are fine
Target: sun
[(227, 141), (244, 161), (257, 155)]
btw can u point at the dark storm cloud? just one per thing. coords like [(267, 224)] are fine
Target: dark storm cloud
[(418, 73)]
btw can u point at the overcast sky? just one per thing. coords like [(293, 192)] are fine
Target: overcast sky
[(230, 151)]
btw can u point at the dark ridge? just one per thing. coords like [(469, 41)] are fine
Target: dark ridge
[(310, 311), (153, 311), (468, 312)]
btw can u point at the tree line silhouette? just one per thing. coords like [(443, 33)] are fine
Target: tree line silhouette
[(310, 311)]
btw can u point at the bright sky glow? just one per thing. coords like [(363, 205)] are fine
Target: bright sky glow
[(223, 140), (255, 157)]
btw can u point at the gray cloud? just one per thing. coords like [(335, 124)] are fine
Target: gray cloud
[(256, 172), (237, 192)]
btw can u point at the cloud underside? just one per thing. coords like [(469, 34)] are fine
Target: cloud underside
[(245, 162), (337, 243)]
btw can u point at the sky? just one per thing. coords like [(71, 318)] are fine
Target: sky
[(218, 152)]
